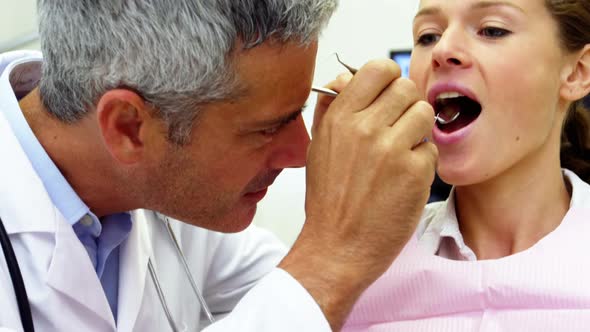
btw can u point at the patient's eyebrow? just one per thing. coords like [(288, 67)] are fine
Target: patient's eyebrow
[(488, 4), (429, 11)]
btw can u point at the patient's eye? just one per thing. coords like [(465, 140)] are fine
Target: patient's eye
[(427, 39), (494, 32)]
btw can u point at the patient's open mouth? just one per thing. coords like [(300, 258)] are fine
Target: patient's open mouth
[(453, 105)]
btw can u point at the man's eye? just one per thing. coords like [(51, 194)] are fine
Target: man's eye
[(493, 32), (273, 130), (270, 131), (427, 39)]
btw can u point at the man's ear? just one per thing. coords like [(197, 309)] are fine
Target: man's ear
[(122, 116), (576, 79)]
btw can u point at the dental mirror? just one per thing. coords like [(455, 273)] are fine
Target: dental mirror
[(442, 121)]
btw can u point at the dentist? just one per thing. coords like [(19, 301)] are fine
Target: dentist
[(136, 147)]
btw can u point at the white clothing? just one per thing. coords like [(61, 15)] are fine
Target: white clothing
[(236, 272)]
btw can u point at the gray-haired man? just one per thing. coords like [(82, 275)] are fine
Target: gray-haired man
[(188, 110)]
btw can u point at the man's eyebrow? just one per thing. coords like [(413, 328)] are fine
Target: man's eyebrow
[(427, 11), (279, 120)]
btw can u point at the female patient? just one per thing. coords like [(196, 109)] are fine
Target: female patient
[(509, 250)]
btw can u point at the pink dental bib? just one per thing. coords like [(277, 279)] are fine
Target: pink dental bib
[(545, 288)]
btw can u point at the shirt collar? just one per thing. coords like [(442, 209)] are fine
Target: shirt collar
[(580, 190), (445, 225), (19, 77)]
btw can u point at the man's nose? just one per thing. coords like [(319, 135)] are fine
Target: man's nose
[(291, 151)]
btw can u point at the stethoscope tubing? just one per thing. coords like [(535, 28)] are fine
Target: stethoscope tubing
[(22, 300), (188, 272), (162, 297), (160, 292)]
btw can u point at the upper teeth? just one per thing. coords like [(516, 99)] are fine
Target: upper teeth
[(448, 95)]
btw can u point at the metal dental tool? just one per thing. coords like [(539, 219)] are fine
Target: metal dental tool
[(350, 69), (353, 71), (329, 92), (443, 121), (324, 91)]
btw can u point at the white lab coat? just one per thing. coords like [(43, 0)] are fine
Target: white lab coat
[(236, 272)]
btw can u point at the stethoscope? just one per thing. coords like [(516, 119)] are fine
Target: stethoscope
[(188, 273), (22, 300)]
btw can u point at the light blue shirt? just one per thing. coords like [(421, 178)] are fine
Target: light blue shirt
[(101, 238)]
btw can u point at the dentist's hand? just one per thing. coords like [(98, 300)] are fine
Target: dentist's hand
[(368, 179)]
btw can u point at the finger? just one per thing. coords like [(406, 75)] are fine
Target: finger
[(368, 83), (423, 161), (337, 85), (394, 101), (324, 101), (426, 159), (413, 125), (340, 82)]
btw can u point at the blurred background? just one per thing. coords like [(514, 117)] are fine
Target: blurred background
[(18, 25), (359, 31)]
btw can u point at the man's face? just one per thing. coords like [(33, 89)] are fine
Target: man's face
[(238, 147)]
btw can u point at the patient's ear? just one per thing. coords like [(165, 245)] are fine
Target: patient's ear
[(123, 116), (576, 79)]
